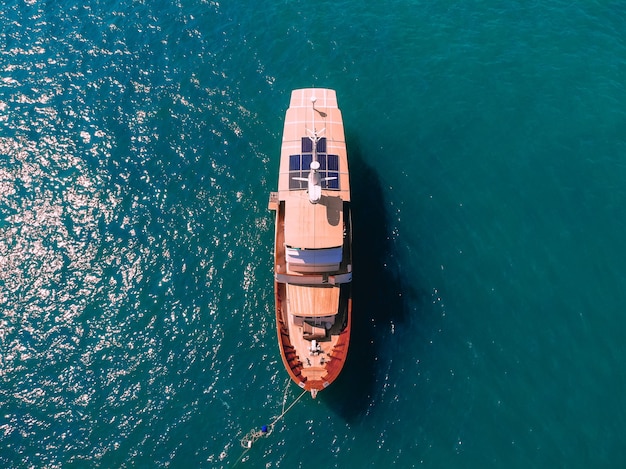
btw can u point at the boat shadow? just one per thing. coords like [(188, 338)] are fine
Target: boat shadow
[(377, 293)]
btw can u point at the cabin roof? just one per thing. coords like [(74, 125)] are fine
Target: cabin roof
[(313, 226), (301, 120)]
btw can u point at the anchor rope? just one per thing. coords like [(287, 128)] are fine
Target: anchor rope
[(253, 435), (287, 382)]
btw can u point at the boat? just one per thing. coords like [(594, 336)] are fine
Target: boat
[(313, 241)]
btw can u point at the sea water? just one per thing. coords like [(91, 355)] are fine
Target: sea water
[(139, 141)]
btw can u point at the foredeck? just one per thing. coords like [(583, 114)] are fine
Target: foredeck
[(314, 364), (312, 301)]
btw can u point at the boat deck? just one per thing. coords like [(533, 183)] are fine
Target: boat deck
[(314, 226), (314, 362), (312, 288), (312, 301)]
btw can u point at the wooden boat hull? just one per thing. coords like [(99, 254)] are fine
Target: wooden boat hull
[(313, 242)]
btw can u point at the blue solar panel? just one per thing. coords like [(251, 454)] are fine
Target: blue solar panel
[(321, 145), (299, 166), (294, 162), (306, 162), (322, 160), (307, 145), (333, 162), (334, 184)]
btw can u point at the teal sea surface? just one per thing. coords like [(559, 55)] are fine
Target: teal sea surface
[(139, 142)]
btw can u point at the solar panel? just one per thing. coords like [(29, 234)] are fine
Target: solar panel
[(322, 160), (333, 162), (299, 166), (294, 162), (321, 145), (334, 184), (307, 145)]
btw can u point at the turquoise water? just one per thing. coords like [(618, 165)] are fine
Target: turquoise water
[(139, 142)]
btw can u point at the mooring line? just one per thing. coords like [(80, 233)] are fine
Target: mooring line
[(253, 435)]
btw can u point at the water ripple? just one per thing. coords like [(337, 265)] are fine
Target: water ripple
[(118, 262)]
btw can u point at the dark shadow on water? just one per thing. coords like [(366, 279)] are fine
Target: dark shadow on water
[(377, 292)]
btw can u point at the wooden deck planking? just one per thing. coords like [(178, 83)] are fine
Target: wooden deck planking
[(313, 226), (312, 301)]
